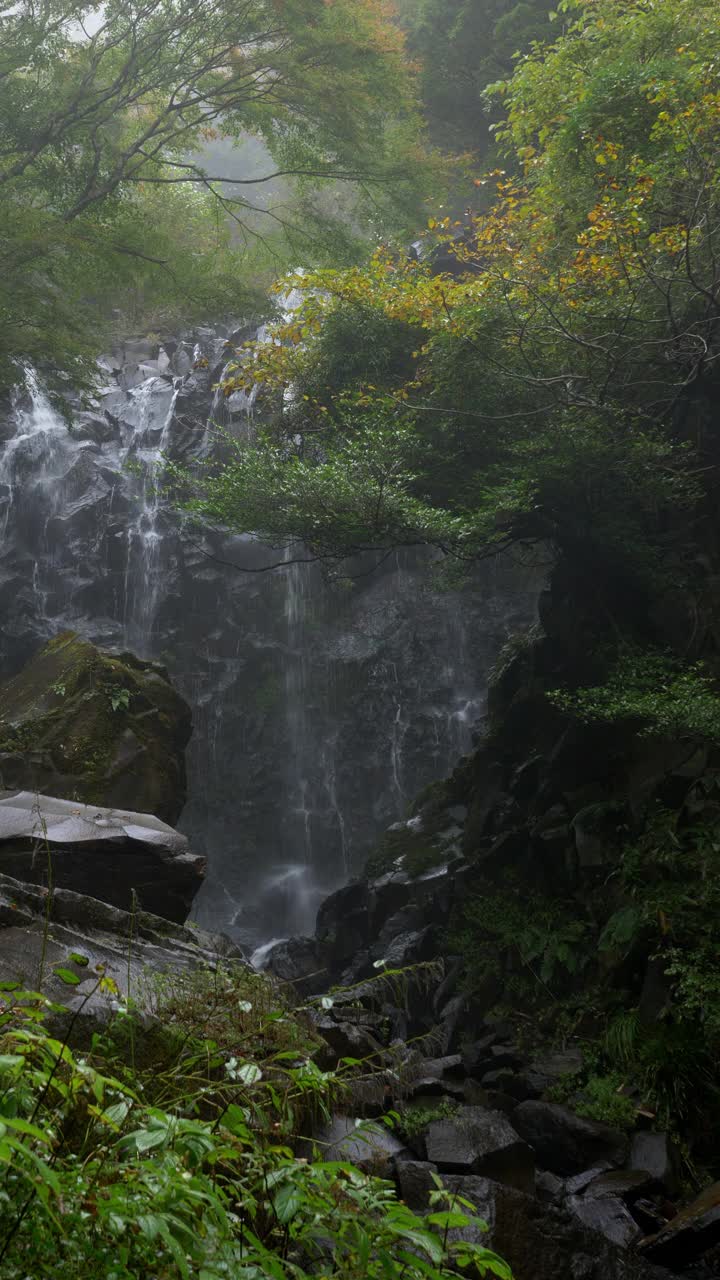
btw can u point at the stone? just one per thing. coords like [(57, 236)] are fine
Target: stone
[(477, 1052), (346, 1040), (629, 1184), (567, 1143), (451, 1020), (114, 855), (658, 1156), (343, 924), (548, 1187), (39, 935), (505, 1081), (573, 1186), (299, 961), (481, 1141), (415, 1182), (546, 1071), (366, 1144), (451, 1065), (437, 1087), (606, 1214), (96, 727), (410, 948), (689, 1234), (541, 1242)]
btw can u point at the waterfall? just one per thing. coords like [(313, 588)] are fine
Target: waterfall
[(154, 405), (320, 708)]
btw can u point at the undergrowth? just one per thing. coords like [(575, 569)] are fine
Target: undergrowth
[(170, 1149)]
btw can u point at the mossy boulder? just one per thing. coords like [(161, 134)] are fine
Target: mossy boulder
[(97, 727)]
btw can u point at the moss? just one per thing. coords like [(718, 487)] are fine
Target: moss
[(417, 852), (106, 728)]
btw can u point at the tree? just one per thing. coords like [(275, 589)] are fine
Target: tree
[(463, 46), (104, 113), (558, 386)]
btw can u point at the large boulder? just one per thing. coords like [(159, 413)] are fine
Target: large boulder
[(543, 1243), (566, 1143), (478, 1140), (122, 858), (88, 938), (96, 727), (367, 1144)]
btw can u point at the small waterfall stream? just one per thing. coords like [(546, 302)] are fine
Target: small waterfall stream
[(320, 709)]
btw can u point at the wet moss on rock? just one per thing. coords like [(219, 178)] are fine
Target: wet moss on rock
[(98, 727)]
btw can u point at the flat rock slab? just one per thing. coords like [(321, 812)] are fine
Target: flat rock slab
[(109, 854), (80, 934), (481, 1141)]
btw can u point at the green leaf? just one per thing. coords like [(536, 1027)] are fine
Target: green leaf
[(67, 976), (287, 1202)]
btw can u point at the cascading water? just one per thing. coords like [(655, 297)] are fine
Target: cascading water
[(154, 403), (319, 708)]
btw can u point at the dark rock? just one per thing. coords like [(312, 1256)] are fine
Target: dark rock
[(451, 1065), (414, 1178), (540, 1242), (110, 854), (658, 1156), (437, 1087), (544, 1072), (451, 1022), (298, 960), (96, 427), (96, 727), (39, 936), (548, 1187), (497, 1056), (477, 1052), (343, 923), (565, 1142), (606, 1214), (506, 1081), (368, 1145), (689, 1234), (481, 1141), (410, 948), (580, 1181), (629, 1184), (346, 1040)]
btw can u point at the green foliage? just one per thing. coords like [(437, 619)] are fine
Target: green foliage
[(542, 939), (602, 1099), (556, 385), (463, 46), (414, 1120), (670, 699), (119, 189), (119, 699), (100, 1179)]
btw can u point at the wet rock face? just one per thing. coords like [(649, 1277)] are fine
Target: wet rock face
[(113, 855), (95, 727), (80, 933), (320, 707)]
